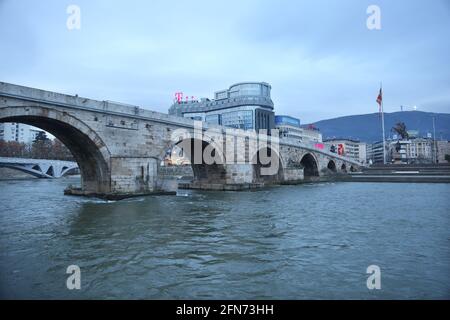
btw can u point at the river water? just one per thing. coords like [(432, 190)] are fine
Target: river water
[(311, 241)]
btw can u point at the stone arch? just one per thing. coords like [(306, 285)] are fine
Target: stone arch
[(88, 149), (310, 166), (204, 171), (332, 166), (353, 169), (259, 176), (344, 168)]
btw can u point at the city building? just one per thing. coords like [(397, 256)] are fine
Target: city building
[(443, 149), (289, 127), (18, 132), (374, 153), (246, 105), (312, 134), (409, 151), (399, 151), (418, 150), (348, 148)]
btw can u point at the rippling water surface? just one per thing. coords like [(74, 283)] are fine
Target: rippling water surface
[(292, 242)]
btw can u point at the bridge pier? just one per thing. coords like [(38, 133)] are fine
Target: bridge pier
[(293, 175), (130, 177), (232, 177), (133, 175)]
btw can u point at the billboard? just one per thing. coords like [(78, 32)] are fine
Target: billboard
[(319, 146), (341, 149)]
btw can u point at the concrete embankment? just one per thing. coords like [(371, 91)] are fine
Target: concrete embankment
[(403, 173), (11, 174)]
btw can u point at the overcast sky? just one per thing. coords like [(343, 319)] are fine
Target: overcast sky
[(319, 56)]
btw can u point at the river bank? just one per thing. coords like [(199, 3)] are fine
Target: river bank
[(403, 174), (11, 174)]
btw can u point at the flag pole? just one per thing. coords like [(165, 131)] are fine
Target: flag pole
[(382, 123)]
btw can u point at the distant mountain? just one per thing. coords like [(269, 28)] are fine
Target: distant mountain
[(367, 127)]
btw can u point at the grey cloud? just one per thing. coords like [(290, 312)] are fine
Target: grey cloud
[(318, 55)]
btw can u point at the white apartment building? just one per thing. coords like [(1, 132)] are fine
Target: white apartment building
[(417, 150), (18, 132), (289, 127), (443, 149), (348, 148)]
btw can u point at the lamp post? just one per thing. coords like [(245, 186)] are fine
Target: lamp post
[(434, 141)]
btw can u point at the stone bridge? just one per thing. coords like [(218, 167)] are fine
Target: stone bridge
[(47, 169), (119, 148)]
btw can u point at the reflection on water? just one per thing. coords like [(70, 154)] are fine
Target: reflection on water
[(290, 242)]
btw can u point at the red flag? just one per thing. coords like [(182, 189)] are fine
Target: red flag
[(380, 98)]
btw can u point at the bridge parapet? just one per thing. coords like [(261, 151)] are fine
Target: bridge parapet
[(27, 94)]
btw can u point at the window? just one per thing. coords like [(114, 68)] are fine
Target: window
[(246, 89), (250, 89), (221, 95), (234, 94), (238, 119), (213, 118), (265, 91)]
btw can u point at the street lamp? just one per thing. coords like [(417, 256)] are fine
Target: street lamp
[(434, 141)]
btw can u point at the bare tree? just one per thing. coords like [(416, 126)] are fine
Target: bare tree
[(41, 148)]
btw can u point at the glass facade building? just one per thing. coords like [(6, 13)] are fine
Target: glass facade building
[(287, 120), (238, 119), (213, 118), (245, 105)]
